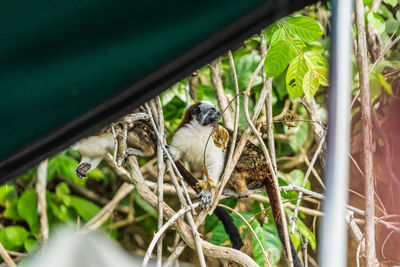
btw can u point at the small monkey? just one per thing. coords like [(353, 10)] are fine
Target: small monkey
[(141, 141), (189, 143)]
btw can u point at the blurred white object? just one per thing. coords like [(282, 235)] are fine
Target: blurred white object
[(68, 248)]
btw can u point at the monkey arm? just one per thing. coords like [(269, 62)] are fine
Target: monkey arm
[(188, 177)]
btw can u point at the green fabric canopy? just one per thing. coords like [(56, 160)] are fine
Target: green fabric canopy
[(68, 68)]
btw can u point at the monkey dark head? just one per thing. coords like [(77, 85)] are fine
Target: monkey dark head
[(204, 112)]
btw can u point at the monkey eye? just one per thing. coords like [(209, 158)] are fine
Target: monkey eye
[(196, 110)]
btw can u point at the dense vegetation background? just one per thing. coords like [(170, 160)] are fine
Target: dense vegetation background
[(298, 50)]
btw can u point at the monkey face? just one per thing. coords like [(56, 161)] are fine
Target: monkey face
[(206, 113)]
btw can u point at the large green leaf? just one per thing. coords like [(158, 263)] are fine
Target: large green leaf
[(376, 21), (270, 241), (305, 28), (294, 76), (30, 245), (13, 237), (310, 84), (393, 3), (27, 210), (4, 191), (277, 58), (84, 208)]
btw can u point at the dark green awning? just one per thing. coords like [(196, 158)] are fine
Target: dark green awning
[(68, 68)]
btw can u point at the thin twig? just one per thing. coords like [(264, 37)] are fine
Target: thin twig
[(107, 210), (6, 257), (252, 231), (269, 163), (169, 158), (362, 62), (294, 218), (243, 140), (42, 205), (161, 173), (268, 104), (215, 73), (211, 250), (161, 231)]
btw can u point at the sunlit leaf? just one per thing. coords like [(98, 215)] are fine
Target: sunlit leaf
[(310, 84), (305, 28), (294, 77), (271, 243), (277, 58), (13, 237), (376, 21)]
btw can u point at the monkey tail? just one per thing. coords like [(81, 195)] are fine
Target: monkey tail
[(229, 227), (276, 212)]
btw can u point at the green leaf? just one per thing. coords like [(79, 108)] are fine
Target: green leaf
[(385, 84), (304, 230), (84, 208), (305, 28), (143, 204), (30, 245), (322, 75), (393, 3), (376, 21), (27, 210), (279, 35), (315, 59), (270, 241), (5, 190), (245, 67), (277, 58), (294, 77), (62, 189), (310, 84), (13, 237)]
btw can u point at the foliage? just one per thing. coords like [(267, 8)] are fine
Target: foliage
[(296, 60)]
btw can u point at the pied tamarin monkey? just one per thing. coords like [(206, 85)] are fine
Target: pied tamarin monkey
[(189, 143), (141, 141)]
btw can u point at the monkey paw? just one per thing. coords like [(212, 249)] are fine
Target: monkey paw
[(169, 152), (205, 199)]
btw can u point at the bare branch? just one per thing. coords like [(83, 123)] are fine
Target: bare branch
[(211, 250), (161, 173), (215, 72), (6, 257), (107, 210), (161, 231), (362, 62), (268, 104), (294, 218), (252, 231), (42, 205)]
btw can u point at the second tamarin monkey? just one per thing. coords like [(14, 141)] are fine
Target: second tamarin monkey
[(189, 143)]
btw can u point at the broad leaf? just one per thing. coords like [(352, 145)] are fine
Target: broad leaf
[(271, 243), (376, 21), (310, 84), (294, 77), (393, 3), (27, 210), (13, 237), (30, 245), (277, 58), (305, 28), (84, 208)]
